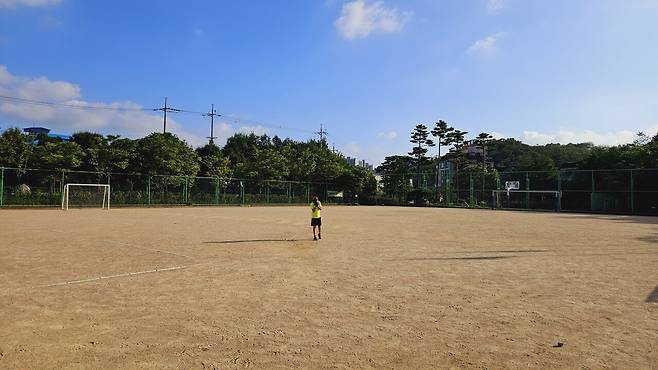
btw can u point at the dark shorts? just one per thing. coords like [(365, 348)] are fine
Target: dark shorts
[(316, 221)]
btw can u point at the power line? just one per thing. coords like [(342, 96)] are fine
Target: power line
[(71, 106), (235, 119), (165, 109)]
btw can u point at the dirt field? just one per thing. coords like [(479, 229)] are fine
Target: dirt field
[(385, 288)]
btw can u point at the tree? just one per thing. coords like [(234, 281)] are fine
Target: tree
[(441, 132), (59, 155), (268, 164), (456, 139), (119, 154), (396, 171), (15, 150), (95, 148), (419, 137), (241, 148), (357, 181), (482, 141), (165, 154), (534, 160), (213, 162)]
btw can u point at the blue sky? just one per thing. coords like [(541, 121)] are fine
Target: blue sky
[(540, 71)]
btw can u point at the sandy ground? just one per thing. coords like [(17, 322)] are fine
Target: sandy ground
[(385, 288)]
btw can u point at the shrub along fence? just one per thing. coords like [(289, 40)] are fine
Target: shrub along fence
[(35, 187)]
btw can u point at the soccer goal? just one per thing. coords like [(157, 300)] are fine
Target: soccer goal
[(549, 200), (86, 195)]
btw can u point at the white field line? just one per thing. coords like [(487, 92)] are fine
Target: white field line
[(116, 276)]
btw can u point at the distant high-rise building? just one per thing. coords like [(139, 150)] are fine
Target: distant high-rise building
[(350, 161)]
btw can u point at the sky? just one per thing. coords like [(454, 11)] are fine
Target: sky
[(537, 70)]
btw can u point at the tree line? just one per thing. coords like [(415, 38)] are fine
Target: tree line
[(251, 157), (408, 173)]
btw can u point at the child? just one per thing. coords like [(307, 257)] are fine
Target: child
[(316, 219)]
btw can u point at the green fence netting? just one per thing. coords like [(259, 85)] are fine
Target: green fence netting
[(35, 187), (628, 191)]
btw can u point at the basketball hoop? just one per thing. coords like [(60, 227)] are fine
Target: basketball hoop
[(512, 185)]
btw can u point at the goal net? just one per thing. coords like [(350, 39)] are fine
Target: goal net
[(549, 200), (86, 195)]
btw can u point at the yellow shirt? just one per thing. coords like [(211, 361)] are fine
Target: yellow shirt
[(315, 211)]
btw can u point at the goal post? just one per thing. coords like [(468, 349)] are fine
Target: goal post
[(104, 187), (511, 198)]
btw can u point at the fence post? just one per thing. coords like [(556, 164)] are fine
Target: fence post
[(593, 188), (527, 187), (2, 185), (559, 189), (148, 189), (470, 175), (216, 190), (632, 193), (290, 192), (187, 190), (267, 192), (61, 184)]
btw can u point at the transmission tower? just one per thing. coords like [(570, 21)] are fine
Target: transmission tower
[(164, 110), (212, 114), (322, 133)]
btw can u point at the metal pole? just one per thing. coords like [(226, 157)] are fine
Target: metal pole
[(593, 188), (591, 197), (470, 176), (559, 189), (527, 187), (632, 193), (216, 190), (212, 123), (2, 185), (164, 130), (404, 195), (187, 194)]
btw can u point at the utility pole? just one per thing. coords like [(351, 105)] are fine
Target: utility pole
[(322, 133), (164, 110), (212, 115)]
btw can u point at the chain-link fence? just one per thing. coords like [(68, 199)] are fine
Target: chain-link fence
[(630, 191), (34, 187), (607, 191)]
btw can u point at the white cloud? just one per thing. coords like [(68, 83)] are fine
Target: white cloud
[(495, 5), (351, 149), (15, 3), (498, 135), (258, 130), (122, 118), (360, 18), (567, 136), (390, 135), (224, 130), (486, 44)]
